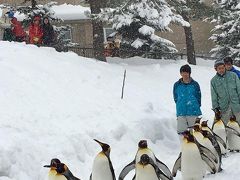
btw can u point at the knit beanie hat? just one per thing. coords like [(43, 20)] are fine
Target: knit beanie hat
[(218, 62)]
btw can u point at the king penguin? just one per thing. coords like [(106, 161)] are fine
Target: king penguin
[(146, 169), (52, 175), (143, 149), (192, 157), (220, 141), (219, 129), (62, 170), (211, 143), (102, 166), (233, 138)]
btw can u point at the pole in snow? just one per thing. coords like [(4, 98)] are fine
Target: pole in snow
[(124, 78)]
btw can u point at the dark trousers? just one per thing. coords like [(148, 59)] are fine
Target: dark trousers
[(19, 39)]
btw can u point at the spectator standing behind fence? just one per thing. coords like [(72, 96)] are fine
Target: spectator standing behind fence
[(35, 31), (229, 66), (4, 23), (17, 30), (225, 92), (48, 32), (5, 26), (187, 96)]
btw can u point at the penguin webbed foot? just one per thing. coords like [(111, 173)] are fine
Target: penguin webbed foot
[(220, 169), (224, 155)]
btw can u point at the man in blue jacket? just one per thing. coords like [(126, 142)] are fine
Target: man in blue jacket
[(228, 61), (187, 96)]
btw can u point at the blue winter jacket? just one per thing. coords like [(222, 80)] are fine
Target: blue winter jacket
[(187, 98), (235, 71)]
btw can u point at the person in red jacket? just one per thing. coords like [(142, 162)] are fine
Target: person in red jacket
[(18, 30), (35, 31)]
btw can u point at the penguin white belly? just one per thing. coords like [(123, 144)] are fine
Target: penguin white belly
[(101, 168), (59, 177), (221, 132), (145, 151), (192, 165), (233, 140), (52, 175), (145, 172), (198, 136)]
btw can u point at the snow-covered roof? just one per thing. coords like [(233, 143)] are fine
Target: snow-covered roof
[(71, 12), (64, 12)]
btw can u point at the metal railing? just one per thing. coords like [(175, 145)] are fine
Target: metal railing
[(85, 52), (123, 53)]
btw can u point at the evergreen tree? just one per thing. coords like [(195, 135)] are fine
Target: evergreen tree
[(115, 3), (33, 3), (191, 10), (137, 21), (98, 36), (227, 30)]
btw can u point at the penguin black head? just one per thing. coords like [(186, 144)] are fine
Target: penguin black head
[(204, 124), (190, 138), (53, 163), (187, 135), (105, 147), (205, 133), (196, 127), (218, 114), (233, 118), (198, 119), (142, 144), (144, 159), (61, 168)]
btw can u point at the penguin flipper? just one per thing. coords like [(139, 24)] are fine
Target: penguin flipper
[(159, 173), (126, 170), (209, 162), (232, 131), (134, 177), (207, 152), (177, 165), (68, 174), (111, 168), (164, 168), (220, 140), (90, 178), (215, 144)]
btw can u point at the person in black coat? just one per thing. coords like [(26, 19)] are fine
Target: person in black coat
[(48, 32)]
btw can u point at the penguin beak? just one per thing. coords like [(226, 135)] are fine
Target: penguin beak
[(47, 166), (105, 147), (191, 127), (100, 143)]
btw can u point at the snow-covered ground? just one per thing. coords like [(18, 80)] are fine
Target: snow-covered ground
[(54, 104)]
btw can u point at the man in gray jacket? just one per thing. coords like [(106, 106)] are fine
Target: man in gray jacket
[(225, 92)]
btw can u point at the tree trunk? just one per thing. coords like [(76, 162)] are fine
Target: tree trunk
[(33, 4), (98, 36), (189, 41)]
